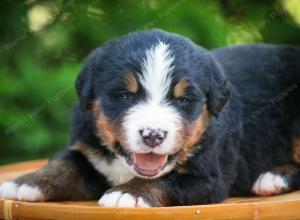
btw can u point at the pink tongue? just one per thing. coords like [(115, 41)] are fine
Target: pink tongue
[(149, 161)]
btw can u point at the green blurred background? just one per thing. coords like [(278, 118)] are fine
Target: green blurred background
[(43, 44)]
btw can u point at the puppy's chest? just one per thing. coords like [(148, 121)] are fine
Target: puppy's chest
[(113, 170)]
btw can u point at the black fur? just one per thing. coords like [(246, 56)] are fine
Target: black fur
[(253, 133)]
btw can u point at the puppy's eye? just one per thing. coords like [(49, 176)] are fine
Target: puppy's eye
[(183, 101), (124, 96)]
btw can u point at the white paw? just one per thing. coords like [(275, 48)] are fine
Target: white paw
[(8, 190), (24, 192), (119, 199), (269, 184)]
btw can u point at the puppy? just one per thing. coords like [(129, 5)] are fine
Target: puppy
[(162, 122)]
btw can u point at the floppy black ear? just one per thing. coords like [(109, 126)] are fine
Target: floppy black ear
[(219, 89), (84, 80)]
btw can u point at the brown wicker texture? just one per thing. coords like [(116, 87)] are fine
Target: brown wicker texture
[(283, 207)]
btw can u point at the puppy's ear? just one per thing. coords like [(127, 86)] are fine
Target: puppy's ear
[(84, 80), (219, 89)]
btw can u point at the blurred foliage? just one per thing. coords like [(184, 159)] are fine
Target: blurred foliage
[(44, 42)]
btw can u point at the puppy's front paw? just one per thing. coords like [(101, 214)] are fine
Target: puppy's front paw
[(24, 192), (122, 199), (269, 184)]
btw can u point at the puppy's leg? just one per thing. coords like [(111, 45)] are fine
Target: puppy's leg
[(69, 176), (280, 180), (296, 141), (284, 178), (173, 189)]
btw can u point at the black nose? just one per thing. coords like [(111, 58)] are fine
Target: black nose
[(153, 137)]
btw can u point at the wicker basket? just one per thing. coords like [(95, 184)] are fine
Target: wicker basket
[(283, 207)]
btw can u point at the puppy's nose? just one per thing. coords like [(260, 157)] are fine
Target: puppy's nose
[(153, 137)]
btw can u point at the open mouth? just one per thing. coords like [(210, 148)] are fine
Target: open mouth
[(149, 164)]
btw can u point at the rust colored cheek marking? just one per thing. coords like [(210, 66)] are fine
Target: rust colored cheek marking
[(193, 134), (105, 131), (296, 150), (96, 109), (195, 131), (104, 127)]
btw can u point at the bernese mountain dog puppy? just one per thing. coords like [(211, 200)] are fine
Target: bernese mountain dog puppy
[(164, 122)]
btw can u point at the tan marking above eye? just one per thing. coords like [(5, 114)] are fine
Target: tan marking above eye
[(180, 88), (131, 83)]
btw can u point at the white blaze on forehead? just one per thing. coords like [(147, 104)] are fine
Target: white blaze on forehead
[(156, 72), (155, 112)]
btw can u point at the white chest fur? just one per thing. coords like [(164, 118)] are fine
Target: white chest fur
[(114, 170)]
